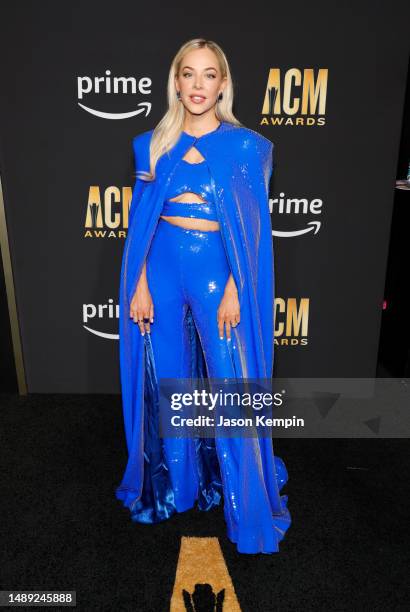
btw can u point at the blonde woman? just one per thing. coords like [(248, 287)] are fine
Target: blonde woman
[(196, 301)]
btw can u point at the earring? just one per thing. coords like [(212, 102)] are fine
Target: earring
[(220, 96), (178, 95)]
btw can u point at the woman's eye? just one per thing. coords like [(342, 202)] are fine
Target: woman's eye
[(187, 74)]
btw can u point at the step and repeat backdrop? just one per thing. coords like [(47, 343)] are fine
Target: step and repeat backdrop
[(324, 83)]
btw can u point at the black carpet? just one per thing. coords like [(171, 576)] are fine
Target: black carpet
[(62, 528)]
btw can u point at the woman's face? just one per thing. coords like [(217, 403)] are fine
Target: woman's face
[(199, 81)]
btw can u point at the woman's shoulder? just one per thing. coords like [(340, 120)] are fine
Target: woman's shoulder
[(251, 141), (140, 144), (143, 138)]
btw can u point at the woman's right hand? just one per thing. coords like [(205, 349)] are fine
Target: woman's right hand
[(142, 307)]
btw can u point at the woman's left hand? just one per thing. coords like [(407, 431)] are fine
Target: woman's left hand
[(228, 313)]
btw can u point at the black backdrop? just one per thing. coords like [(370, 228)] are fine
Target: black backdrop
[(57, 158)]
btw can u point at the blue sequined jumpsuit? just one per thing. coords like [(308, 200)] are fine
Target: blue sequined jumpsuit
[(188, 268)]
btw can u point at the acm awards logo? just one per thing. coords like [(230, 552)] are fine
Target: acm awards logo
[(107, 212), (295, 97), (291, 318), (107, 85)]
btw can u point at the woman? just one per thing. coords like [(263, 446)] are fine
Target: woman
[(196, 301)]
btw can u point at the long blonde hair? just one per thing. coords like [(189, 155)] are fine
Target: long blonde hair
[(168, 130)]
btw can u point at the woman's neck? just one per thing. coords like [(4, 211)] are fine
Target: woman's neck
[(200, 126)]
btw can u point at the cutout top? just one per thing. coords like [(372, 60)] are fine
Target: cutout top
[(190, 181)]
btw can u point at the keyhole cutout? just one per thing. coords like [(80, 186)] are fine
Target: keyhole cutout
[(193, 156)]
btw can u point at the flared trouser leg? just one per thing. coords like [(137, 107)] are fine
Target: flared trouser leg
[(189, 269), (171, 347)]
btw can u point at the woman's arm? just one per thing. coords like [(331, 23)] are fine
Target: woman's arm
[(229, 310), (142, 305), (230, 286)]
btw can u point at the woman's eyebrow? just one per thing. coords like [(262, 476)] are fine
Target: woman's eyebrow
[(209, 68)]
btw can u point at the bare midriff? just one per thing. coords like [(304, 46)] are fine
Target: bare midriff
[(188, 222)]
